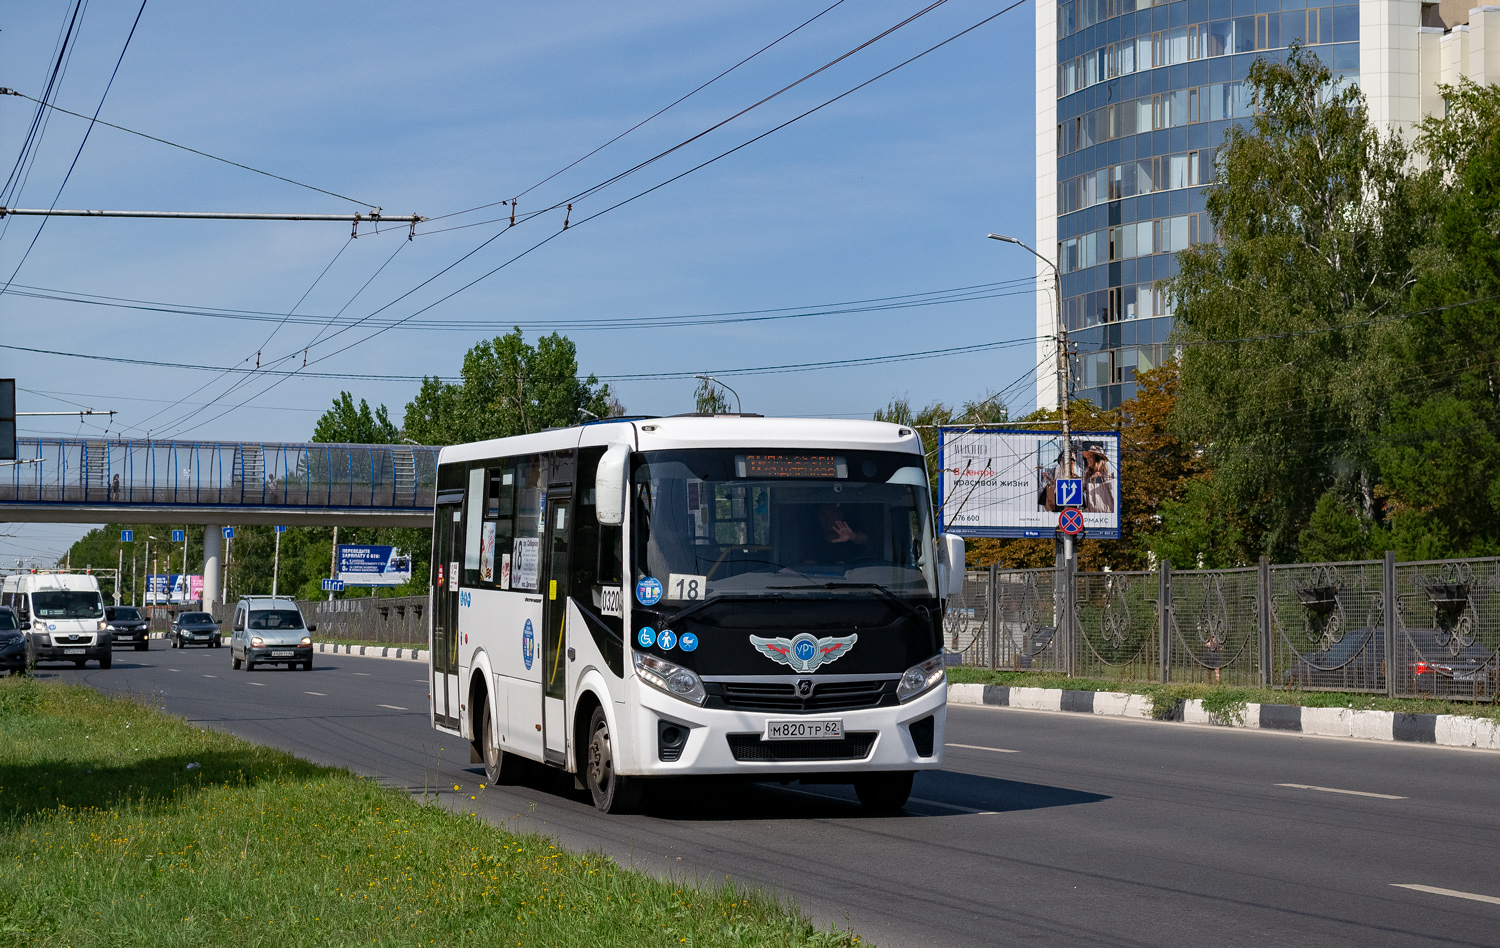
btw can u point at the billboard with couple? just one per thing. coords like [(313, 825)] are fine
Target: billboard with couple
[(999, 483)]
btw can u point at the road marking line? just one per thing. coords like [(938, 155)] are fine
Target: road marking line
[(210, 676), (258, 684), (393, 707), (1471, 896), (1352, 793), (318, 693), (976, 747), (363, 674), (173, 669)]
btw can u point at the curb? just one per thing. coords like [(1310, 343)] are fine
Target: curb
[(375, 651), (1445, 730), (368, 651)]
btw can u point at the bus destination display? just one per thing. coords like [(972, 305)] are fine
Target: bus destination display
[(791, 465)]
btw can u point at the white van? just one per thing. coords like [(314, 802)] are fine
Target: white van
[(63, 615)]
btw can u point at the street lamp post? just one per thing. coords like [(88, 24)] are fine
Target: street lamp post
[(1063, 393), (738, 408)]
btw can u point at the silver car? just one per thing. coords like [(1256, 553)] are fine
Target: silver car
[(268, 631)]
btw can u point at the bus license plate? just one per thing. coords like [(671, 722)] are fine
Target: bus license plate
[(824, 730), (286, 653), (74, 651)]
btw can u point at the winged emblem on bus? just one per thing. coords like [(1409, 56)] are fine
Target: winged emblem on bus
[(804, 652)]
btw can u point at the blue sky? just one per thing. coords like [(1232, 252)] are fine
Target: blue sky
[(435, 108)]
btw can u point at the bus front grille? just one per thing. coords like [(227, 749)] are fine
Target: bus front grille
[(781, 696), (853, 746)]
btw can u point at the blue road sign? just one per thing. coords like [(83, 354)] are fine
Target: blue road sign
[(177, 536), (281, 529), (1070, 521), (127, 536), (229, 533), (333, 585), (1070, 492)]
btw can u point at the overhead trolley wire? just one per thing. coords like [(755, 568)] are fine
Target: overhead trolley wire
[(657, 114), (163, 141), (79, 153), (981, 291), (670, 180)]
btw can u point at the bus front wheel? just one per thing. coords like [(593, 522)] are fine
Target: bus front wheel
[(884, 792), (612, 793)]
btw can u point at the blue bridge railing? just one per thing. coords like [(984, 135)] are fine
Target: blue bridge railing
[(221, 474)]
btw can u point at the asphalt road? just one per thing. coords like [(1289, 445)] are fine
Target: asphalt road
[(1045, 829)]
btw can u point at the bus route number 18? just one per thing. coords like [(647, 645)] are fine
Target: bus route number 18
[(686, 586)]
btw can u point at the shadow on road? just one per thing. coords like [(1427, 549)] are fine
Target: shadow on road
[(709, 799)]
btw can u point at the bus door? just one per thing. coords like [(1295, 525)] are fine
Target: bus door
[(554, 626), (447, 554)]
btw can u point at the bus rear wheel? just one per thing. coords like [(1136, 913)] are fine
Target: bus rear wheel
[(612, 793), (499, 767), (884, 792)]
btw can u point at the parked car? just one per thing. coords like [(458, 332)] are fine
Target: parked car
[(12, 642), (194, 628), (128, 626), (268, 631)]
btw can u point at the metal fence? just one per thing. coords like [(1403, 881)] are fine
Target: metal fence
[(216, 473), (1318, 626), (395, 621)]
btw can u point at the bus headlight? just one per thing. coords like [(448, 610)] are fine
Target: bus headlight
[(675, 680), (919, 679)]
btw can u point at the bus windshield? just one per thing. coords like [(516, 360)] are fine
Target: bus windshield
[(67, 604), (737, 522)]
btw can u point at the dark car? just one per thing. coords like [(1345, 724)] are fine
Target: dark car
[(194, 628), (12, 642), (129, 626)]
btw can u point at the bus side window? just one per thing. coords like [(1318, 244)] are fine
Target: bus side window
[(499, 524)]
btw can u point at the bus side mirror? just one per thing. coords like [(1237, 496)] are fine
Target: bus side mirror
[(609, 485), (950, 565)]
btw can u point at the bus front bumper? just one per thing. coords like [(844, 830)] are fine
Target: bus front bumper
[(719, 741)]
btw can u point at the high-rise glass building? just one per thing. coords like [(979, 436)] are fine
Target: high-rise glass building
[(1133, 98)]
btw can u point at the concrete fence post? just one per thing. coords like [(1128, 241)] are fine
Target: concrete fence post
[(992, 626), (1164, 619), (1263, 620), (1388, 584)]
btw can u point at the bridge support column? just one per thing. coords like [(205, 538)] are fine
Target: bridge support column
[(213, 543)]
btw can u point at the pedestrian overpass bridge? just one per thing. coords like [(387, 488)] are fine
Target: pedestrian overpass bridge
[(218, 483), (81, 480)]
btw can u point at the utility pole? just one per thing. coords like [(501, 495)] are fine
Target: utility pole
[(333, 561), (119, 573), (228, 561), (1063, 393), (276, 563)]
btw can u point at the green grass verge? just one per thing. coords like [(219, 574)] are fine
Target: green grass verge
[(120, 825), (1224, 700)]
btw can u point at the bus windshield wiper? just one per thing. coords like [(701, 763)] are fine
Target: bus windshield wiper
[(884, 592), (727, 597)]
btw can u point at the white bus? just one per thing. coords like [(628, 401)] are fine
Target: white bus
[(643, 598)]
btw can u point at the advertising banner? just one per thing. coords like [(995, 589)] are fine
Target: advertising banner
[(373, 565), (164, 588), (995, 483)]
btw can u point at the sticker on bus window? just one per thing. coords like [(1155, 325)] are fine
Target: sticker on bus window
[(647, 636), (504, 570), (686, 586), (487, 553), (648, 591), (611, 602), (528, 645), (453, 576), (523, 570)]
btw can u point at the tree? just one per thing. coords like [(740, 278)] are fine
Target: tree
[(1443, 435), (1284, 318), (710, 399), (345, 424), (508, 388)]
